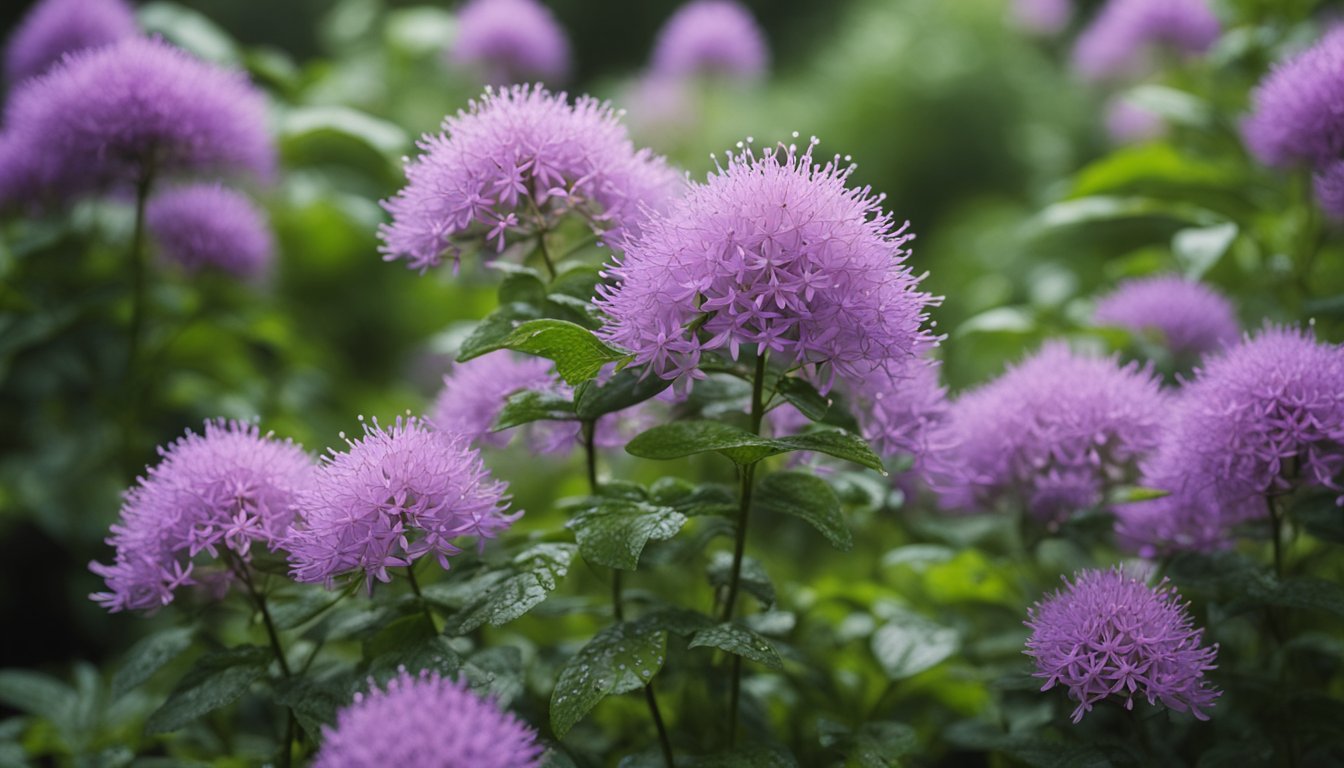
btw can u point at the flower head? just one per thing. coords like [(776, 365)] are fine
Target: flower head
[(216, 493), (1042, 17), (1108, 634), (512, 164), (1296, 108), (1124, 32), (120, 114), (510, 41), (1329, 185), (1258, 420), (899, 414), (210, 226), (710, 37), (53, 28), (429, 721), (396, 495), (775, 251), (1191, 318), (1051, 434)]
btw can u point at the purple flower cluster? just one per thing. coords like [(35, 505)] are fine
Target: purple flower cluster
[(1051, 434), (1108, 634), (53, 28), (1259, 420), (777, 252), (396, 495), (429, 721), (900, 414), (1296, 108), (121, 114), (510, 41), (1117, 42), (512, 165), (1191, 318), (710, 38), (210, 226), (1042, 17), (222, 490)]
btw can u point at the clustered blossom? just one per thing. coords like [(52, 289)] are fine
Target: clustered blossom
[(1296, 108), (53, 28), (1329, 186), (511, 165), (1191, 318), (1258, 420), (710, 37), (1052, 434), (429, 721), (117, 115), (1108, 634), (900, 414), (510, 41), (1042, 17), (396, 495), (1129, 123), (210, 226), (777, 252), (216, 493), (1121, 36)]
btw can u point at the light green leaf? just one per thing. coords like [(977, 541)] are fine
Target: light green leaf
[(621, 658), (530, 405), (217, 680), (491, 331), (738, 640), (615, 532), (190, 30), (687, 438), (753, 578), (1199, 249), (578, 354), (911, 644), (808, 497), (37, 694)]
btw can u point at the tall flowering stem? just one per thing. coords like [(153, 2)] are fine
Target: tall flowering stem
[(244, 574)]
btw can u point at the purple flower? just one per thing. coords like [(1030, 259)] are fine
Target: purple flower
[(1042, 17), (1329, 186), (1129, 123), (210, 226), (899, 414), (510, 41), (1116, 43), (216, 494), (396, 495), (1190, 318), (774, 251), (1259, 420), (1109, 634), (1296, 108), (710, 37), (53, 28), (515, 163), (1052, 434), (139, 108), (428, 721)]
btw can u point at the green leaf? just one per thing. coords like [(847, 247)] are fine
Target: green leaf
[(496, 672), (750, 756), (37, 694), (536, 572), (523, 286), (528, 406), (398, 635), (434, 653), (803, 396), (834, 442), (1321, 516), (621, 658), (149, 656), (1150, 169), (753, 577), (1087, 211), (578, 354), (614, 533), (1305, 594), (738, 640), (626, 388), (1019, 320), (190, 30), (494, 328), (682, 622), (687, 438), (1199, 249), (808, 497), (912, 644), (217, 680), (314, 702), (1175, 106), (879, 744)]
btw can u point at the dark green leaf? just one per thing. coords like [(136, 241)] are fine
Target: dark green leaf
[(314, 702), (621, 658), (753, 577), (626, 388), (808, 497), (399, 635), (523, 286), (687, 438), (496, 672), (877, 744), (750, 756), (217, 680), (614, 533), (577, 353), (678, 621), (148, 656), (1321, 516), (37, 694), (837, 443), (536, 572), (911, 644), (488, 334), (737, 639), (804, 397), (530, 405), (297, 606), (435, 654)]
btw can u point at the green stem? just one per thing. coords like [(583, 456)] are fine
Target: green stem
[(419, 596), (137, 257), (259, 600), (546, 254)]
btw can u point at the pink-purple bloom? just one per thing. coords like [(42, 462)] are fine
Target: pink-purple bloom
[(1189, 318), (1050, 435), (510, 41), (777, 252), (711, 38), (1259, 420), (900, 414), (209, 226), (395, 495), (1125, 33), (53, 28), (211, 495), (511, 166), (1042, 17), (430, 721), (1109, 635), (1295, 117)]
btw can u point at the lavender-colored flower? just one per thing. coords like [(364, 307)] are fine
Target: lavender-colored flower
[(216, 494), (774, 251), (1129, 123), (53, 28), (1117, 42), (711, 37), (1328, 183), (899, 414), (1051, 434), (210, 226), (1296, 108), (513, 164), (396, 495), (428, 721), (1042, 17), (124, 113), (511, 41), (1108, 634), (1191, 318), (1257, 421)]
